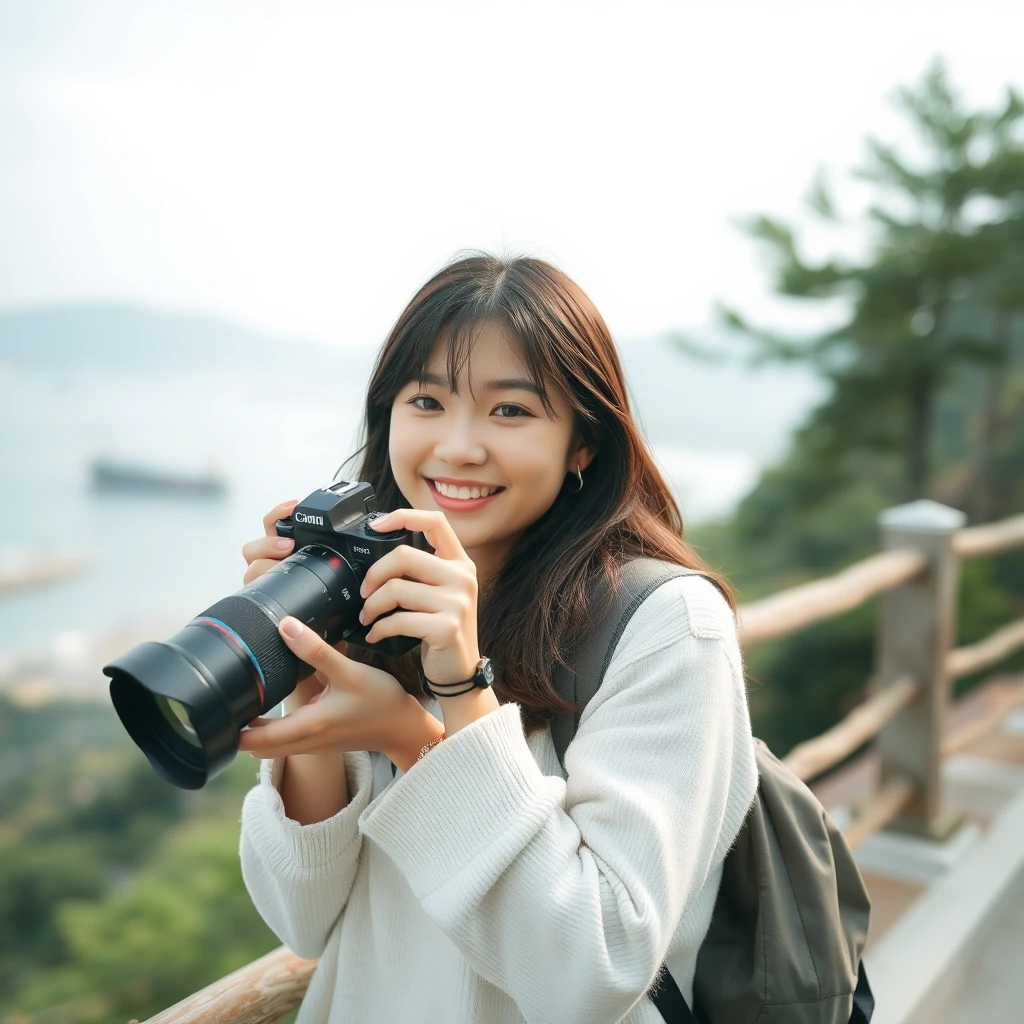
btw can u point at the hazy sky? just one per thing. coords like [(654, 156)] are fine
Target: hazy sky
[(303, 167)]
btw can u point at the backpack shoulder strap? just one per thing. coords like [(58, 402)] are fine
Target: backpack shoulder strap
[(638, 579)]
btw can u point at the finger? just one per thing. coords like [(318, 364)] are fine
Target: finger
[(408, 595), (405, 623), (258, 723), (281, 511), (267, 547), (311, 648), (405, 560), (433, 525), (302, 728), (306, 691), (258, 568)]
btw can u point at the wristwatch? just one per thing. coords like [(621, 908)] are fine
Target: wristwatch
[(481, 679)]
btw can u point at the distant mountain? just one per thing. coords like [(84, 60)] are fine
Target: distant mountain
[(679, 401), (724, 407), (129, 337)]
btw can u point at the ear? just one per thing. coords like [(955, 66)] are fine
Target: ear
[(582, 456)]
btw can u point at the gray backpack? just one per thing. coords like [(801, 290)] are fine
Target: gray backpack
[(791, 917)]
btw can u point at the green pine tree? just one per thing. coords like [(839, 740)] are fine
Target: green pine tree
[(905, 336)]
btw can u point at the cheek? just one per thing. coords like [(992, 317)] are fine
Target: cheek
[(403, 456), (536, 464), (403, 442)]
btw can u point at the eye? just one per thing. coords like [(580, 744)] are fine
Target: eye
[(518, 408), (419, 398)]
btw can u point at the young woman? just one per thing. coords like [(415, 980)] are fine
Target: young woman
[(430, 850)]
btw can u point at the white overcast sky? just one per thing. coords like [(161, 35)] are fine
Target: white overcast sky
[(302, 168)]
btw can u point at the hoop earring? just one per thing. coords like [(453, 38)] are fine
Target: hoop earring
[(576, 490)]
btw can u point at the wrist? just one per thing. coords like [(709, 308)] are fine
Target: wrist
[(421, 729), (467, 708)]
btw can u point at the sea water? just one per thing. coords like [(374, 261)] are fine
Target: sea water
[(275, 432)]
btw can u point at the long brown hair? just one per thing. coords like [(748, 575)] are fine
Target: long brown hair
[(540, 603)]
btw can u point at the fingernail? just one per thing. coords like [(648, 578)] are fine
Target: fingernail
[(362, 589), (291, 627), (283, 543), (377, 523)]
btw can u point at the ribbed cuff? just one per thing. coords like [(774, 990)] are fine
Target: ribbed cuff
[(297, 851), (478, 787)]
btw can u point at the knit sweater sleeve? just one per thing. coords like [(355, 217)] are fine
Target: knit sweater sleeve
[(299, 876), (566, 893)]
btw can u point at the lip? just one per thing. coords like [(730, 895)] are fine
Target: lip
[(460, 483), (459, 504)]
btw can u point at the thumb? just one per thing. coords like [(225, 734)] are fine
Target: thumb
[(309, 646)]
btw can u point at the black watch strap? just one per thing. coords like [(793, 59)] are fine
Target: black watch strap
[(481, 679)]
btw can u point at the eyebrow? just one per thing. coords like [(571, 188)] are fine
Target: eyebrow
[(504, 384)]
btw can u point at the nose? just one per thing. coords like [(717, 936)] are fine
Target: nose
[(457, 446)]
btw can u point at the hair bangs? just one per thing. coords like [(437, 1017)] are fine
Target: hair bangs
[(459, 335)]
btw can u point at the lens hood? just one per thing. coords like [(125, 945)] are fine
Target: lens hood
[(167, 670)]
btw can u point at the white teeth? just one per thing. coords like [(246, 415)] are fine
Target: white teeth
[(463, 492)]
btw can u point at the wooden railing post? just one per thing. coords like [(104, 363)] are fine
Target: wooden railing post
[(917, 628)]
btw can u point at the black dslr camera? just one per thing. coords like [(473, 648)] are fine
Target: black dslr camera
[(186, 700)]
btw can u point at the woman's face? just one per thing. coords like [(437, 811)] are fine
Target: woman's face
[(497, 436)]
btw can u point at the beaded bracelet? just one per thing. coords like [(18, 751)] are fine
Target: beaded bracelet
[(431, 745)]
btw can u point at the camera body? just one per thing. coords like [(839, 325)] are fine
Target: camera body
[(335, 521)]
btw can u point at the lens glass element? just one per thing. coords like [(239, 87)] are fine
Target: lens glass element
[(178, 715)]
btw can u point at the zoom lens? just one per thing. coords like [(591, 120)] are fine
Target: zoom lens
[(185, 701)]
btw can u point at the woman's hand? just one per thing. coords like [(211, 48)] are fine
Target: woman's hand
[(266, 551), (359, 708), (436, 594), (364, 708)]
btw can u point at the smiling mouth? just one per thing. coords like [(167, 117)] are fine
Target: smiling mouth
[(448, 497)]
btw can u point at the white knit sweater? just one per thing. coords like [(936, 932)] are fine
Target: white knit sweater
[(486, 885)]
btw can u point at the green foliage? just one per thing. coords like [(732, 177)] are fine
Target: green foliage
[(991, 595), (902, 343), (814, 678), (38, 747), (181, 923), (119, 893), (926, 400), (34, 880)]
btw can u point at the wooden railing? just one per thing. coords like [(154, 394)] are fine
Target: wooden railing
[(916, 575)]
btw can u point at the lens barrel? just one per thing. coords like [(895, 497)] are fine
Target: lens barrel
[(184, 701)]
